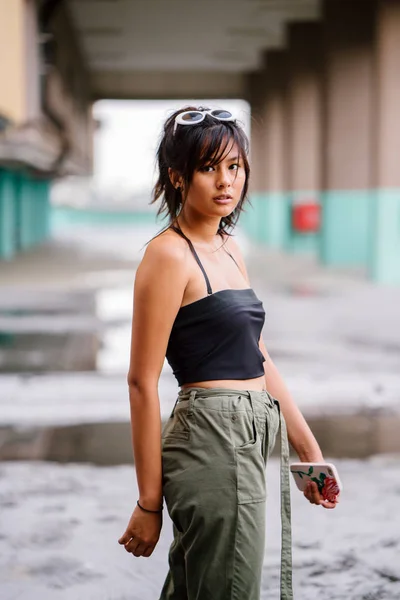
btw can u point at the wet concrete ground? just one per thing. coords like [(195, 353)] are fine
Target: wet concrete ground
[(65, 315), (335, 338), (59, 527)]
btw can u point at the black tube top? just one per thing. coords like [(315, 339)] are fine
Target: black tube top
[(217, 337)]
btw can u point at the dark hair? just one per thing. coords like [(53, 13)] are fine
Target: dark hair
[(190, 148)]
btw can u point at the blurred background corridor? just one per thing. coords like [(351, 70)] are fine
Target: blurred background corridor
[(85, 86)]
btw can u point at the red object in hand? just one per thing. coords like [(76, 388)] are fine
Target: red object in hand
[(306, 218), (330, 491)]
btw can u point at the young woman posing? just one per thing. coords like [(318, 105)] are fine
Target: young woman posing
[(194, 305)]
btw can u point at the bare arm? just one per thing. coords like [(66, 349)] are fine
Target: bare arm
[(159, 286), (299, 434)]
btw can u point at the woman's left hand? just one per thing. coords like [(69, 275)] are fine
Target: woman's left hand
[(312, 494)]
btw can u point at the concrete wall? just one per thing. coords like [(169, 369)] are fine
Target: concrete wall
[(68, 91), (48, 105), (385, 261), (348, 87), (304, 124), (326, 128), (15, 35)]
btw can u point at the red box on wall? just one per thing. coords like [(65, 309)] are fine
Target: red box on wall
[(306, 218)]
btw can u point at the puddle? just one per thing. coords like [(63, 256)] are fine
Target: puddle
[(72, 443), (109, 443), (48, 352), (81, 332)]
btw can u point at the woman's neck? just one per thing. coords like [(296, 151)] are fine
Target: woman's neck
[(199, 231)]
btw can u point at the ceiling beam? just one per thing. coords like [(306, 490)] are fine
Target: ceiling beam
[(145, 85)]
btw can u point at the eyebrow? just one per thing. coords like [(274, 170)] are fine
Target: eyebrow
[(234, 158)]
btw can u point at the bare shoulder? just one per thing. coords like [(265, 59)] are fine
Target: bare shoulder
[(167, 246), (166, 253)]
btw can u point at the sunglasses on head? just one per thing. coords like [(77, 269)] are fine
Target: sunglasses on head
[(194, 117)]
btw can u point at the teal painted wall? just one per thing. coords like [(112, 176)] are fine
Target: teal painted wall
[(385, 254), (253, 218), (267, 220), (359, 228), (8, 189), (346, 235), (278, 219), (41, 215), (24, 212), (64, 216)]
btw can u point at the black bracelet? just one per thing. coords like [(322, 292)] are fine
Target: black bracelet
[(149, 511)]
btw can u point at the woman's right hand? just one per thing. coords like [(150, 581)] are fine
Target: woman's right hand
[(142, 533)]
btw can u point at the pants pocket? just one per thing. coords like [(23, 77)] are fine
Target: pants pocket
[(177, 426), (250, 473), (248, 432)]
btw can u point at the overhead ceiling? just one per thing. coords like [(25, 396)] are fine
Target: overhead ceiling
[(184, 35)]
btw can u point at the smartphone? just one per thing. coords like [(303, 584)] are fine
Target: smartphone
[(325, 475)]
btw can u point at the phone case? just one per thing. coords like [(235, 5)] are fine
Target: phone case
[(324, 475)]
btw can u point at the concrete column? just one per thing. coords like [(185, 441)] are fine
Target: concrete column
[(386, 243), (275, 150), (12, 57), (268, 219), (304, 122), (348, 115), (255, 215), (19, 60)]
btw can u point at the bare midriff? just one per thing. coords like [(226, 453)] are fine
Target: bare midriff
[(257, 384)]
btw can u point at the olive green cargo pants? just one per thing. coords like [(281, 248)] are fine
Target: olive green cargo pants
[(215, 447)]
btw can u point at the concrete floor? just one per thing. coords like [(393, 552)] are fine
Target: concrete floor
[(335, 338), (59, 527), (67, 307)]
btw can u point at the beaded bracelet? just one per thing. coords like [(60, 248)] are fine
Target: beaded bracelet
[(147, 510)]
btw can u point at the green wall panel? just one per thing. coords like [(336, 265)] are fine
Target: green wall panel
[(7, 214), (249, 216), (385, 254), (24, 212), (33, 211), (278, 219), (346, 234), (266, 220), (64, 216)]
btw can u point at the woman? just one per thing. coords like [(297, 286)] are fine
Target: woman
[(194, 305)]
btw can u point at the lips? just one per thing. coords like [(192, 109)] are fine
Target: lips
[(223, 197)]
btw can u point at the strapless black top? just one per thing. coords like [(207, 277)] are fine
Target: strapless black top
[(217, 336)]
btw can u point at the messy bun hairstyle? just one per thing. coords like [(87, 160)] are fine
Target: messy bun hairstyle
[(191, 148)]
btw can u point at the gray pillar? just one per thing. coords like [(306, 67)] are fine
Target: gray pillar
[(276, 151), (304, 119), (255, 216), (386, 242), (348, 113)]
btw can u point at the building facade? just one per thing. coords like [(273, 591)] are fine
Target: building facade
[(45, 116)]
